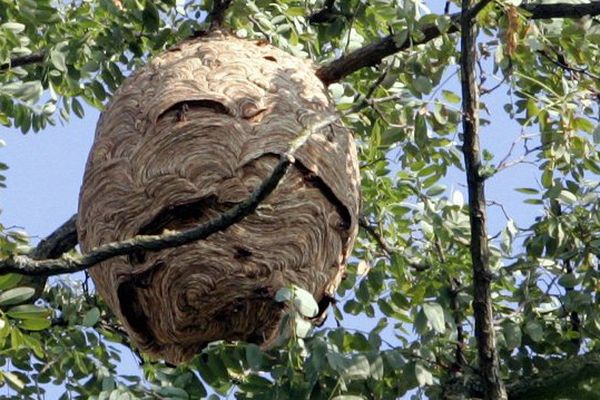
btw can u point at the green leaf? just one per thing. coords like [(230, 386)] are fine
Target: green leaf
[(170, 392), (435, 315), (422, 84), (254, 356), (512, 335), (8, 281), (35, 324), (150, 17), (424, 377), (450, 97), (58, 60), (13, 380), (91, 317), (527, 190), (16, 296), (284, 294), (14, 27), (28, 311), (302, 326), (421, 136), (567, 197), (584, 124), (305, 303), (596, 134), (336, 90), (547, 178), (535, 330), (357, 367), (29, 91), (443, 22), (77, 108), (435, 190), (568, 281)]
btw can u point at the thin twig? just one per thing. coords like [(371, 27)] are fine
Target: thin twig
[(366, 225), (493, 88), (26, 265), (561, 62), (499, 205)]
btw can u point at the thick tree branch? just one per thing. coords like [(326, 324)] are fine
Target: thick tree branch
[(480, 253), (324, 15), (33, 58), (58, 242), (27, 265), (373, 53), (561, 10)]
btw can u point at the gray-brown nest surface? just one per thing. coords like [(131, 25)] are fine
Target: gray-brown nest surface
[(187, 136)]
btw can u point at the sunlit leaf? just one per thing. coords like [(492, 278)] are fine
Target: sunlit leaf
[(16, 296)]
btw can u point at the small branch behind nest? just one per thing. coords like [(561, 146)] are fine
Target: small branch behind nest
[(217, 14)]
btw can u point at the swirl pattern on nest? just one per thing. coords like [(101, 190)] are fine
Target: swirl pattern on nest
[(187, 136)]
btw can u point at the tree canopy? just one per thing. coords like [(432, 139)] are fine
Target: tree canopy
[(446, 306)]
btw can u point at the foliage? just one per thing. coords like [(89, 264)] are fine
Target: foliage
[(409, 284)]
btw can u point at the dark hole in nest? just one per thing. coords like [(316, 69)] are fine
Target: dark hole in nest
[(242, 253), (130, 307), (270, 58), (182, 107), (176, 215), (128, 298)]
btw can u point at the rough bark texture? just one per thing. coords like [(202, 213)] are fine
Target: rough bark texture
[(480, 252), (183, 139)]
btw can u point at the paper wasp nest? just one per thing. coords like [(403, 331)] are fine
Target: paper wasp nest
[(186, 137)]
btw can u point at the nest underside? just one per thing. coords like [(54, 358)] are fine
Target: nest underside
[(187, 137)]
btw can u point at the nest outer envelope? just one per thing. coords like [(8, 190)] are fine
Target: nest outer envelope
[(187, 136)]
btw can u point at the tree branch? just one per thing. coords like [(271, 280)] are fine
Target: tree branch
[(372, 231), (324, 15), (561, 10), (373, 53), (58, 242), (27, 265), (480, 253), (53, 246), (33, 58), (217, 14)]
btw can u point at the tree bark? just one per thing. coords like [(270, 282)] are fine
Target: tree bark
[(480, 252), (372, 54)]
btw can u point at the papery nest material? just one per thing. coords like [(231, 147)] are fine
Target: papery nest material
[(189, 135)]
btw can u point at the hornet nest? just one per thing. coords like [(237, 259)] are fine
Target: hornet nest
[(187, 136)]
